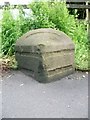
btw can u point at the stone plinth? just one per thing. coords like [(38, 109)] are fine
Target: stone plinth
[(46, 54)]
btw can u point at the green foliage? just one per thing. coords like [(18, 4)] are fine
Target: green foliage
[(0, 41), (9, 32), (81, 47), (40, 15), (58, 14), (12, 29), (46, 15)]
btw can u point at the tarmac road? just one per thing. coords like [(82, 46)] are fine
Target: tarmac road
[(0, 98), (23, 97)]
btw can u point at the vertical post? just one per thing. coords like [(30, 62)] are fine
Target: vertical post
[(88, 20)]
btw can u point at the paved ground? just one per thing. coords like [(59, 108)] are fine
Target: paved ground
[(0, 99), (24, 97)]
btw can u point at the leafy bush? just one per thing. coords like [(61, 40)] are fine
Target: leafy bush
[(12, 29), (40, 15), (9, 32), (58, 14), (46, 15)]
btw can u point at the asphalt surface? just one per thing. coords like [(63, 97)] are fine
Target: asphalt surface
[(24, 97), (0, 98)]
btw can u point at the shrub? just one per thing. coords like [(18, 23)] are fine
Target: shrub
[(9, 32), (46, 15), (40, 15), (58, 14), (12, 29)]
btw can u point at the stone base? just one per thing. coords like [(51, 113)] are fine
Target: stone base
[(46, 79), (47, 54), (47, 66)]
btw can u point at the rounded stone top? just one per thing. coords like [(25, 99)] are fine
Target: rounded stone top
[(44, 40)]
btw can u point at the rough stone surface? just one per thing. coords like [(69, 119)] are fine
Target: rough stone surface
[(45, 54)]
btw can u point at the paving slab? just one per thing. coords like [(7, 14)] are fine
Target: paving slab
[(24, 97)]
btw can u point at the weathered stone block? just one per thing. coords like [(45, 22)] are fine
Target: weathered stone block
[(47, 54)]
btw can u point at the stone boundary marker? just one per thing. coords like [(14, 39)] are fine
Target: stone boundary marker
[(45, 54)]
